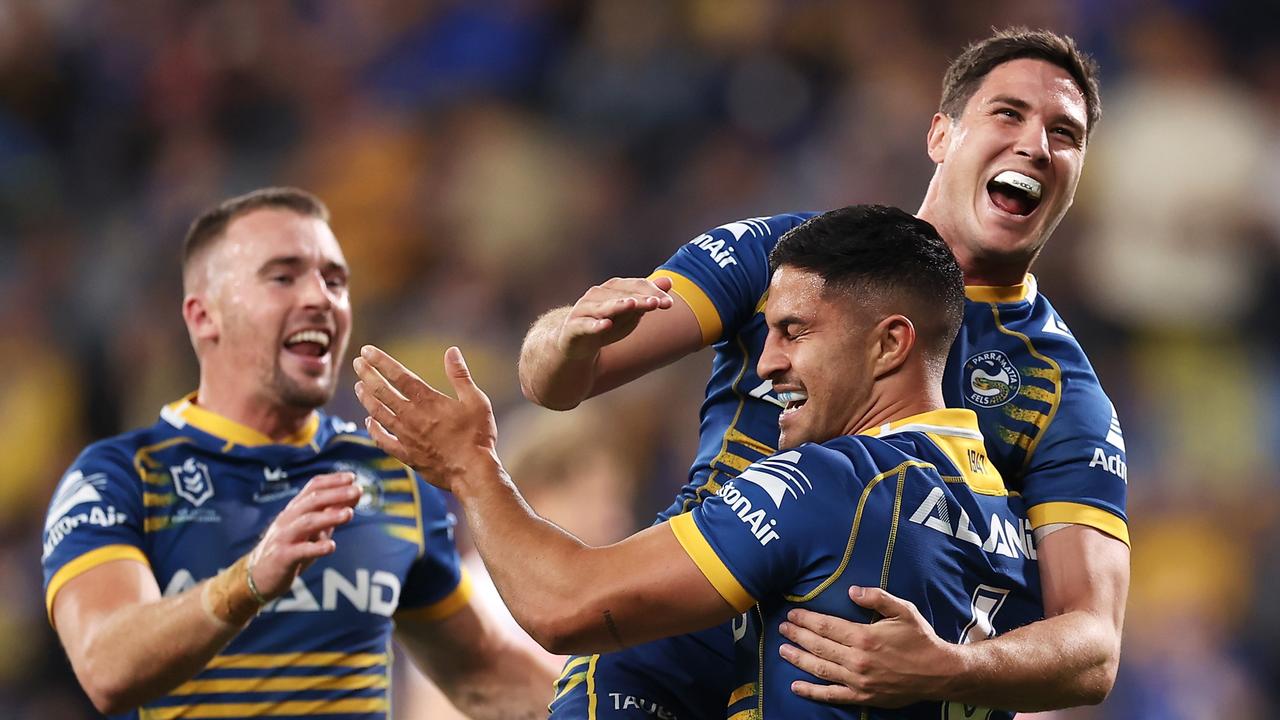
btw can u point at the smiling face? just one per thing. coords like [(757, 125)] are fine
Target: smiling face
[(819, 356), (276, 317), (1007, 168)]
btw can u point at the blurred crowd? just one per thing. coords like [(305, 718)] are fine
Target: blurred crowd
[(487, 160)]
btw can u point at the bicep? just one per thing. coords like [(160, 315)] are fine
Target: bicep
[(85, 602), (661, 338), (1084, 569)]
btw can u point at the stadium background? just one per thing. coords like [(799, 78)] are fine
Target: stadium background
[(485, 161)]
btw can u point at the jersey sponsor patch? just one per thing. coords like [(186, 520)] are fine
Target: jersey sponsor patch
[(990, 379), (1114, 435), (756, 519), (779, 476), (77, 490)]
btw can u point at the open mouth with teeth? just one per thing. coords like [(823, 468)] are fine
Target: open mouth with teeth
[(792, 400), (1014, 193), (309, 343)]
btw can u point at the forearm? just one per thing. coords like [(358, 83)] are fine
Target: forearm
[(548, 376), (540, 570), (140, 652), (1059, 662), (517, 685)]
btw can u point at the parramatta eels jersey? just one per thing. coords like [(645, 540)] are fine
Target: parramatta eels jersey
[(913, 506), (192, 493), (1049, 427)]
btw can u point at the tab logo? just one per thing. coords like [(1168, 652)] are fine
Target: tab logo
[(192, 482)]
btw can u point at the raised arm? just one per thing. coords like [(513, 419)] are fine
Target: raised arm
[(128, 645), (570, 597), (616, 332)]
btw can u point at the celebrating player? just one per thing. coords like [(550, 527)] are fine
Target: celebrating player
[(862, 309), (247, 553), (1009, 141)]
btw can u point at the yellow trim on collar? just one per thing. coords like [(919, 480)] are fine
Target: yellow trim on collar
[(1000, 293), (232, 431), (957, 418)]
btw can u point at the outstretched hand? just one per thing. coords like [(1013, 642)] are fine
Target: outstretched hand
[(894, 661), (422, 427), (609, 312)]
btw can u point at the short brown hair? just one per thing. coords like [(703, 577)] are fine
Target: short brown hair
[(212, 223), (967, 71)]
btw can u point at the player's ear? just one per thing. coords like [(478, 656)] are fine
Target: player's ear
[(201, 322), (896, 338), (938, 138)]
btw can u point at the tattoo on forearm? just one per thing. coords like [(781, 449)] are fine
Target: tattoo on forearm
[(613, 628)]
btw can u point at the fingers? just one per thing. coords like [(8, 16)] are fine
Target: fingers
[(881, 602), (836, 694), (375, 407), (811, 624), (378, 386), (460, 376), (620, 296), (387, 442)]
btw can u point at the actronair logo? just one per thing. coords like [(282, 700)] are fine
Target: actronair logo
[(779, 477), (1114, 435), (719, 249)]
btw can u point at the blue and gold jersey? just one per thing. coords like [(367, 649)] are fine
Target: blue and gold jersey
[(190, 494), (914, 507), (1049, 427)]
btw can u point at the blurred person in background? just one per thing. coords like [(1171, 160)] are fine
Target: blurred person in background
[(249, 554), (1009, 143)]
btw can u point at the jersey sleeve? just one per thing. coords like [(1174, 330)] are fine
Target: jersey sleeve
[(437, 585), (1077, 472), (723, 273), (94, 517), (762, 529)]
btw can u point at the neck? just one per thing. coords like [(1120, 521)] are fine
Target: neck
[(889, 404), (272, 419), (978, 270)]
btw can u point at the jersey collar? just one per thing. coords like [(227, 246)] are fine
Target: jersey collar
[(185, 412), (955, 432), (1024, 291), (946, 421)]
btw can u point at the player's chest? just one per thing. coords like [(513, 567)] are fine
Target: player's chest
[(202, 511)]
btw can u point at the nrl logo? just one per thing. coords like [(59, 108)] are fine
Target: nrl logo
[(192, 482)]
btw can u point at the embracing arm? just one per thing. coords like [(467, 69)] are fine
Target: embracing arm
[(617, 332), (1069, 658), (128, 645), (478, 666)]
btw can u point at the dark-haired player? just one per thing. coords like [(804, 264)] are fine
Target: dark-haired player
[(249, 555), (1009, 142), (873, 479)]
